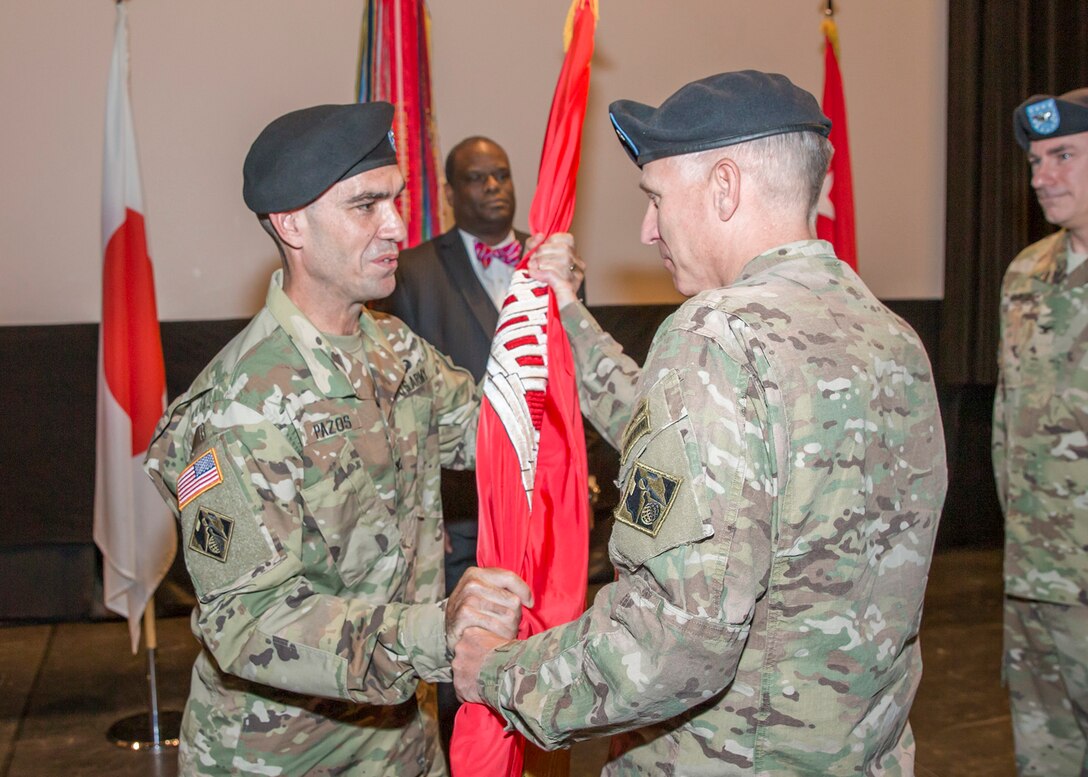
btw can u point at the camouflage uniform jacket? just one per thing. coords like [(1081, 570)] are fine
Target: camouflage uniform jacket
[(312, 530), (1040, 440), (782, 476)]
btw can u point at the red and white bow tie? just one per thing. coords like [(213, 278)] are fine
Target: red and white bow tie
[(507, 254)]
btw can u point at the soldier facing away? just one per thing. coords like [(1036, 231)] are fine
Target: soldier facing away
[(782, 476), (1040, 448), (303, 466)]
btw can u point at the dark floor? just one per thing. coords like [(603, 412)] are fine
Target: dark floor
[(63, 685)]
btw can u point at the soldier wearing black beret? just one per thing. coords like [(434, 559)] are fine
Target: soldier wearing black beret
[(1041, 467), (303, 467), (782, 475)]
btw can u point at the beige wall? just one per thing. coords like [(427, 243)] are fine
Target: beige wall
[(206, 76)]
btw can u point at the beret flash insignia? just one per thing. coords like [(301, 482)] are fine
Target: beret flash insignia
[(1043, 116)]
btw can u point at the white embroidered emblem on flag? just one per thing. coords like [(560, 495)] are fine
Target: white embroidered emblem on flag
[(517, 370)]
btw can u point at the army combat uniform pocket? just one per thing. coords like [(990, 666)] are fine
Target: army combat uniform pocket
[(348, 467)]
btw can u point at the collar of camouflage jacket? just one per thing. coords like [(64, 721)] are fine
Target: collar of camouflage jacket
[(336, 373), (1051, 261), (787, 252)]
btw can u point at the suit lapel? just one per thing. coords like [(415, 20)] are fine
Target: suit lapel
[(455, 260)]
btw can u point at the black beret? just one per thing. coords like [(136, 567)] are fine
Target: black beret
[(721, 110), (1044, 116), (301, 154)]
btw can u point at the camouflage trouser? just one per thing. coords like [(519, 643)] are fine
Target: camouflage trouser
[(238, 729), (1046, 670)]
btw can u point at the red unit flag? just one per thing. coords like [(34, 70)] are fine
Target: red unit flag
[(835, 218), (531, 457)]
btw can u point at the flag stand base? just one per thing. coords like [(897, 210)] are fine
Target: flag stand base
[(137, 732), (153, 730)]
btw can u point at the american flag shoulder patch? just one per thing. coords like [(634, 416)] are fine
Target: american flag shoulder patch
[(198, 477)]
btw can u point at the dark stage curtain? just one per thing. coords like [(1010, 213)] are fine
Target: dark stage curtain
[(1000, 52)]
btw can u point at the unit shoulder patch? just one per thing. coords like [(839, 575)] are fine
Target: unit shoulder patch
[(212, 532), (648, 498)]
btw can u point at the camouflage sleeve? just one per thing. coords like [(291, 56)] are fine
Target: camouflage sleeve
[(997, 438), (607, 377), (997, 443), (457, 407), (691, 542), (248, 526)]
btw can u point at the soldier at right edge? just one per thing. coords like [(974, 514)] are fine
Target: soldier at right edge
[(1040, 448)]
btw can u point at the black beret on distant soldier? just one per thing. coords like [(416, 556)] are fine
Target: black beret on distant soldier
[(1045, 116), (301, 154), (720, 110)]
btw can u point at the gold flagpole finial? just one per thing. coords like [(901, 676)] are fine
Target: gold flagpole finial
[(829, 28), (568, 25)]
